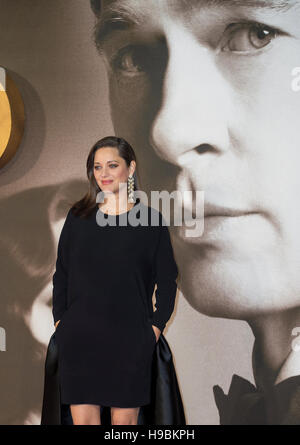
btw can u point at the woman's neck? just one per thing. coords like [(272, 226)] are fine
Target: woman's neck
[(116, 204), (273, 358)]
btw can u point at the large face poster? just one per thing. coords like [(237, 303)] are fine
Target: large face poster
[(207, 93)]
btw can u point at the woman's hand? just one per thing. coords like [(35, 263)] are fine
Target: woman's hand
[(56, 324), (157, 332)]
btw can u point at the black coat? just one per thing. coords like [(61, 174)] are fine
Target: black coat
[(165, 408)]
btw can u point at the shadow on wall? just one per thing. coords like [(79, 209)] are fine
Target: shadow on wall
[(27, 262)]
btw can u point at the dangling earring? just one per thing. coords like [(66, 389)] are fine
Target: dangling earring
[(130, 188)]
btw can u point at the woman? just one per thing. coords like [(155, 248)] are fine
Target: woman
[(106, 330)]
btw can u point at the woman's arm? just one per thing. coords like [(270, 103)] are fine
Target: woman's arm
[(166, 273), (60, 277)]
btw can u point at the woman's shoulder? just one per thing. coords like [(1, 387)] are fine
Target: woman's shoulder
[(79, 214), (70, 215)]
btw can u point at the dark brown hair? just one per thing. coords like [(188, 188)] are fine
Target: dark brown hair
[(85, 206)]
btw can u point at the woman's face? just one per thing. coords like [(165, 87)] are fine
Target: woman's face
[(204, 90), (110, 170)]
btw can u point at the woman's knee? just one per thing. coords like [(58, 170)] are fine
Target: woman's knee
[(83, 414), (124, 416)]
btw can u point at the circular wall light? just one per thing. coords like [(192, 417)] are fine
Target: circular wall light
[(12, 118)]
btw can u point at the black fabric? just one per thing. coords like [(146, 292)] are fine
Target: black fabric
[(246, 405), (106, 270), (165, 407)]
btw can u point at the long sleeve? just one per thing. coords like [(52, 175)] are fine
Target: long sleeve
[(166, 273), (60, 277)]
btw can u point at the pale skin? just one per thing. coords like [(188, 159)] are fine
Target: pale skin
[(108, 165), (203, 89)]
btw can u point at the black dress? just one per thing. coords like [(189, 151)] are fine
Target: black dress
[(102, 293)]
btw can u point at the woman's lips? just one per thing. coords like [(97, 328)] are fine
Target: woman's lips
[(106, 182)]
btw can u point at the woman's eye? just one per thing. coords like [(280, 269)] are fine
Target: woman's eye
[(249, 37), (111, 165)]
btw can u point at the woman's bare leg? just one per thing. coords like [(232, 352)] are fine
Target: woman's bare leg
[(85, 414), (124, 416)]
